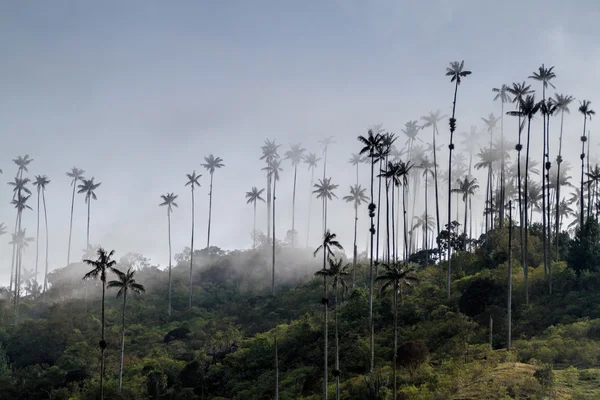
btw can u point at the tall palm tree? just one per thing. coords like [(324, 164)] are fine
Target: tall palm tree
[(371, 144), (401, 179), (254, 196), (324, 191), (491, 122), (312, 160), (192, 182), (273, 170), (21, 241), (509, 305), (168, 200), (584, 108), (88, 187), (395, 275), (502, 94), (76, 175), (428, 170), (357, 197), (125, 284), (211, 164), (457, 72), (383, 151), (296, 155), (329, 243), (269, 153), (432, 120), (22, 162), (487, 158), (467, 187), (336, 271), (20, 203), (100, 267), (325, 143), (562, 103), (40, 182)]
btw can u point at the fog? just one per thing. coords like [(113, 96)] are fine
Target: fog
[(138, 94)]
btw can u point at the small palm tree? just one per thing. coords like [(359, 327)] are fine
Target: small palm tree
[(212, 163), (40, 183), (312, 161), (168, 200), (125, 284), (100, 267), (273, 170), (562, 102), (467, 187), (336, 271), (584, 108), (502, 94), (269, 153), (329, 243), (324, 191), (76, 175), (357, 197), (457, 72), (192, 182), (296, 155), (88, 187), (394, 276), (253, 197), (22, 163)]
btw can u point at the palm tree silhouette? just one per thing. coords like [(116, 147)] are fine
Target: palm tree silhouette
[(20, 203), (252, 197), (428, 170), (457, 72), (88, 187), (357, 197), (269, 153), (312, 160), (487, 158), (324, 191), (22, 162), (584, 108), (594, 178), (125, 284), (394, 276), (383, 151), (100, 266), (432, 120), (562, 103), (40, 182), (211, 164), (76, 175), (21, 241), (467, 187), (296, 155), (329, 243), (401, 179), (502, 94), (192, 182), (168, 200), (371, 143), (273, 170), (337, 272)]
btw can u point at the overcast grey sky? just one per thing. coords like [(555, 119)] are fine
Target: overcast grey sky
[(137, 92)]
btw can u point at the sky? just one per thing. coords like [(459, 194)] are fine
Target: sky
[(136, 93)]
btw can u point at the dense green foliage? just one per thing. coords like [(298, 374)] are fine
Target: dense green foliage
[(223, 347)]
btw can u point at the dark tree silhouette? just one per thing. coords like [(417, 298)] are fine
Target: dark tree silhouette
[(192, 182), (253, 196), (76, 175), (40, 183), (168, 200), (296, 155), (211, 164)]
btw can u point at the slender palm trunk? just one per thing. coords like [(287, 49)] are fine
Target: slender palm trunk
[(502, 165), (276, 370), (337, 344), (589, 183), (268, 204), (325, 304), (426, 244), (372, 230), (544, 227), (355, 256), (387, 218), (520, 193), (71, 220), (210, 196), (582, 156), (509, 305), (451, 147), (122, 341), (13, 264), (404, 222), (273, 290), (254, 227), (525, 244), (394, 358), (394, 254), (465, 200), (378, 220), (312, 182), (294, 208), (37, 236), (47, 240), (191, 249), (102, 344), (548, 232), (435, 177), (87, 240), (170, 266)]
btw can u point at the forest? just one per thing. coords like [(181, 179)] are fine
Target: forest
[(479, 279)]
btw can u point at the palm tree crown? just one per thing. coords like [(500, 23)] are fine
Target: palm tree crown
[(126, 283), (324, 189), (357, 195), (254, 195), (88, 186), (193, 179), (295, 154), (169, 201), (457, 71), (212, 163), (41, 181)]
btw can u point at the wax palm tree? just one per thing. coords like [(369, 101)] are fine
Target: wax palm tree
[(431, 120), (296, 155), (273, 170), (357, 197), (370, 144), (584, 108), (40, 183), (211, 164), (100, 267), (562, 103), (125, 284), (593, 179), (502, 94), (20, 204), (168, 200), (336, 272), (411, 130), (401, 179), (457, 72), (76, 175), (470, 142), (192, 182), (428, 171), (312, 161), (329, 243), (22, 162), (253, 196), (19, 186), (324, 191), (20, 241), (326, 142), (383, 152), (88, 187), (393, 277), (389, 174), (466, 187), (487, 158), (425, 223), (269, 153)]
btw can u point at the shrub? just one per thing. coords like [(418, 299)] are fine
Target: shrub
[(411, 355)]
